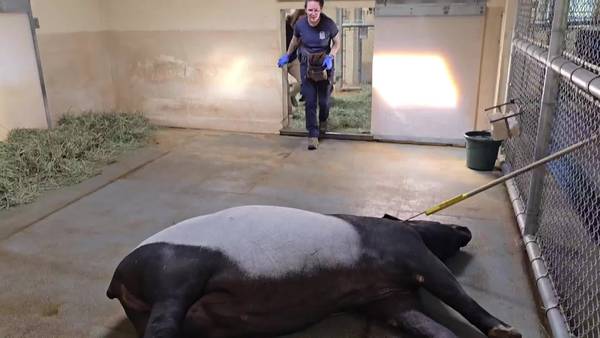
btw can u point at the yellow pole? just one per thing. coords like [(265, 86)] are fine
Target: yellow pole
[(462, 197)]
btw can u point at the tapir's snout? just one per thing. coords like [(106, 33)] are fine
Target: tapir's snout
[(464, 234)]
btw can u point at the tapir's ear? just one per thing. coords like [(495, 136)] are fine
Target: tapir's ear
[(388, 216)]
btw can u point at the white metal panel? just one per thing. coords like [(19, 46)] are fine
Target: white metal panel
[(21, 100), (432, 9), (425, 77)]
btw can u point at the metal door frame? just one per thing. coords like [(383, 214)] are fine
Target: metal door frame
[(24, 7), (286, 130)]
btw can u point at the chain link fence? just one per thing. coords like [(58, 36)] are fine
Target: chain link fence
[(569, 235), (583, 34), (568, 231), (534, 21), (527, 82)]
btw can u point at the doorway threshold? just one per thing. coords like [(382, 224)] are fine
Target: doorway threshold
[(371, 138), (329, 135)]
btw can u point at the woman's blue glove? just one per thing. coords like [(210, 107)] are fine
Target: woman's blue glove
[(328, 62), (284, 59)]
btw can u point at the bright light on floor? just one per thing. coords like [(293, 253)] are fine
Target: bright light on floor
[(414, 81)]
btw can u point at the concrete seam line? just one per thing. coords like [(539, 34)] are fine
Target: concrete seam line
[(78, 198)]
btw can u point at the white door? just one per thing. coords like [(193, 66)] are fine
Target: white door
[(21, 101), (425, 77)]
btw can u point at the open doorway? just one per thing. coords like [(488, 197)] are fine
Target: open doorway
[(350, 112)]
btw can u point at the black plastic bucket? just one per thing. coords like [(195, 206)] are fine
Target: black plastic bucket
[(482, 150)]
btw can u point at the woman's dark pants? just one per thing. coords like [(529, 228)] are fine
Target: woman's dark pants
[(316, 93)]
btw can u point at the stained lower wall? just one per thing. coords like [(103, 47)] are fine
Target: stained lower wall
[(183, 64), (78, 72), (193, 79), (200, 79)]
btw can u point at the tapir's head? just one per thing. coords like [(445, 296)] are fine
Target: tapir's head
[(444, 240)]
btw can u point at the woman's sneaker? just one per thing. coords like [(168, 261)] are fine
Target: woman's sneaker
[(322, 127), (313, 143)]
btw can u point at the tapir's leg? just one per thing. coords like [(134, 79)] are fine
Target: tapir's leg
[(169, 309), (434, 276), (401, 313), (165, 319), (136, 310), (179, 284), (138, 318)]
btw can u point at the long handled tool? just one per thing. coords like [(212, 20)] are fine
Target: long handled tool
[(503, 179)]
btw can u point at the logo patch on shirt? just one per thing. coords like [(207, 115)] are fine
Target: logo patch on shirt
[(322, 35)]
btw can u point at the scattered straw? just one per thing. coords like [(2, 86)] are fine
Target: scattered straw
[(32, 161)]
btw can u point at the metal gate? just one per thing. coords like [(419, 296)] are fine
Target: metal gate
[(356, 54), (555, 80)]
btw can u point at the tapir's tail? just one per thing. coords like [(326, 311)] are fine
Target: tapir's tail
[(113, 289), (118, 290)]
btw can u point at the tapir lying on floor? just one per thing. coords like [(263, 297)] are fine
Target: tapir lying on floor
[(263, 271)]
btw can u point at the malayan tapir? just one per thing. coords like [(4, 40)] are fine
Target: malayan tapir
[(263, 271)]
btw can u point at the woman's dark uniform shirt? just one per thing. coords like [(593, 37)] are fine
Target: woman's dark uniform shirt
[(315, 39)]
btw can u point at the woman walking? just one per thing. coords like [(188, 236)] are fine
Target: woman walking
[(316, 38)]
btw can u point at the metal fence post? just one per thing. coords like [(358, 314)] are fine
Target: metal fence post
[(339, 58), (548, 107), (34, 25), (285, 87)]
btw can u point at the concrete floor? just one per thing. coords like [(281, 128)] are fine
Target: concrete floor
[(57, 255)]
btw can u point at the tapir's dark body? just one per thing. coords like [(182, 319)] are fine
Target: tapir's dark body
[(171, 290)]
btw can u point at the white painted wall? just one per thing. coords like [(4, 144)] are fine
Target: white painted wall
[(21, 102), (69, 16), (191, 15), (119, 52)]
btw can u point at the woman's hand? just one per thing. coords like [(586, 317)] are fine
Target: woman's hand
[(328, 62), (284, 59)]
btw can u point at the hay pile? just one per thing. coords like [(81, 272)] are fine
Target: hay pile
[(32, 161)]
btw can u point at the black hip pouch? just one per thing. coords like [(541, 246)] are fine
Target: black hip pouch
[(315, 69)]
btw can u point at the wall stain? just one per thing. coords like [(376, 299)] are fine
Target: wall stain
[(164, 68)]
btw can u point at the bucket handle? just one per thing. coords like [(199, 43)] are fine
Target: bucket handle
[(513, 101), (505, 118)]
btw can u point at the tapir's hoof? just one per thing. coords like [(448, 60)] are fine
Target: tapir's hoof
[(502, 331)]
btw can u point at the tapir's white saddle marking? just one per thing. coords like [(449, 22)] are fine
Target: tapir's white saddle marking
[(269, 241)]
